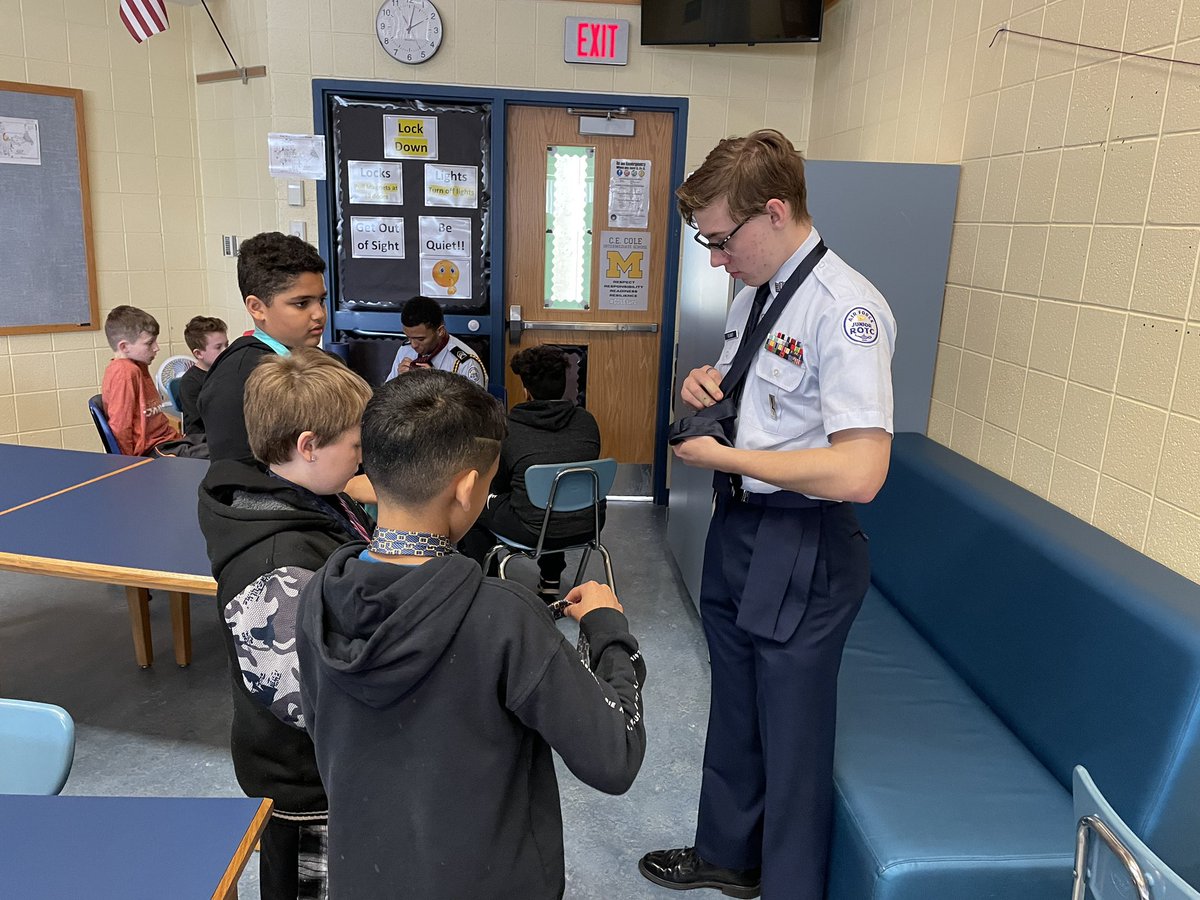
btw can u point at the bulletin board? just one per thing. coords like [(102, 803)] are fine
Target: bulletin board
[(412, 203), (47, 260)]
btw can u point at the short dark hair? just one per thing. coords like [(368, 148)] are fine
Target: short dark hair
[(126, 323), (421, 430), (422, 311), (196, 332), (270, 262), (543, 371)]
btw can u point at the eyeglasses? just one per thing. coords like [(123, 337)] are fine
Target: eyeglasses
[(721, 244)]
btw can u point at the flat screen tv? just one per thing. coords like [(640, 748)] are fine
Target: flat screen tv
[(730, 21)]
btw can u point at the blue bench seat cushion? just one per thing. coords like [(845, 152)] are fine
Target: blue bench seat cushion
[(936, 798)]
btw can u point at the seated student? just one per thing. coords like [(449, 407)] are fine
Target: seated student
[(131, 401), (269, 525), (434, 695), (283, 286), (543, 429), (430, 346), (207, 338)]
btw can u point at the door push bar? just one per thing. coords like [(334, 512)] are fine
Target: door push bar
[(516, 325)]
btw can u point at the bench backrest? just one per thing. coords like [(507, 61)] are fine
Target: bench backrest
[(1088, 650)]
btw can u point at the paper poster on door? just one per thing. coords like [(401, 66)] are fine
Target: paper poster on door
[(377, 236), (445, 257), (410, 137), (629, 193), (375, 182), (625, 270), (451, 186)]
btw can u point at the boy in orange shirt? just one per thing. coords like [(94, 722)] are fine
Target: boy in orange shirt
[(131, 401)]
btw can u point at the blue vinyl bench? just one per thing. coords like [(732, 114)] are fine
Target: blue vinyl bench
[(1002, 642)]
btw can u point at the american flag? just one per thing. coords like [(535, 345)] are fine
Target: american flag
[(144, 18)]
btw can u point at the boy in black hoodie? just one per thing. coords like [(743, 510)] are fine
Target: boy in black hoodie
[(269, 525), (282, 282), (545, 429), (434, 695)]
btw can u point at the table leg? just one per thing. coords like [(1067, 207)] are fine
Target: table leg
[(139, 617), (181, 627)]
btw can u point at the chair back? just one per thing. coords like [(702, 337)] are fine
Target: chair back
[(1111, 862), (568, 487), (173, 392), (37, 747), (100, 418)]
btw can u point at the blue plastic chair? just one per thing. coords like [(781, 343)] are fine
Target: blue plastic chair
[(173, 392), (100, 417), (1111, 862), (565, 487), (37, 747)]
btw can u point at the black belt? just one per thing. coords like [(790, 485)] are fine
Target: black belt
[(726, 486)]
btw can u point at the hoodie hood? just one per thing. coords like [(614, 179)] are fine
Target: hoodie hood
[(378, 628), (242, 505), (544, 415)]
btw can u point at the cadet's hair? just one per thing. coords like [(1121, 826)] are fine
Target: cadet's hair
[(126, 323), (421, 430), (543, 371), (422, 311), (196, 332), (306, 391), (747, 172), (270, 262)]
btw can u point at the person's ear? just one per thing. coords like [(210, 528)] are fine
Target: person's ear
[(464, 488), (306, 446), (196, 353), (122, 346), (779, 211), (257, 308)]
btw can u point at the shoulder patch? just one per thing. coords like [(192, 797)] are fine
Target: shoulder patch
[(860, 326), (463, 355)]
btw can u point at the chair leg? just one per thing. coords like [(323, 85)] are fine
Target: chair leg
[(583, 561), (490, 558), (608, 572), (502, 572), (139, 617), (181, 627)]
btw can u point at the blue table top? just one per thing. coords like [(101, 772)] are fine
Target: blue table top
[(144, 518), (128, 847), (27, 473)]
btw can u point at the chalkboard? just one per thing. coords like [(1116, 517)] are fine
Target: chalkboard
[(412, 203), (47, 262)]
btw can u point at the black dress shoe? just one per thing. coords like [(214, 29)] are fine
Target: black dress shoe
[(684, 870)]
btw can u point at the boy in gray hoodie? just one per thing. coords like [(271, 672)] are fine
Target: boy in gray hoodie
[(434, 695)]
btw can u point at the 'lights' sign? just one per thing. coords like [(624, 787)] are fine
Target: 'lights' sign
[(603, 42)]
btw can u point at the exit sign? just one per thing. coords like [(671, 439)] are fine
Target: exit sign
[(598, 42)]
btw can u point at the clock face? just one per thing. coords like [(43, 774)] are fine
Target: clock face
[(409, 30)]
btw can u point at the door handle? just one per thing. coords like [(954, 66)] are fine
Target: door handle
[(515, 325), (651, 327)]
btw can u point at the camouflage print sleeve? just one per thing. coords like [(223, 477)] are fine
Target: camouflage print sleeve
[(262, 619)]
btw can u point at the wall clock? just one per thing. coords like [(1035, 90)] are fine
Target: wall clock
[(410, 31)]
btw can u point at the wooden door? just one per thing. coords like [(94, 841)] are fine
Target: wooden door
[(622, 365)]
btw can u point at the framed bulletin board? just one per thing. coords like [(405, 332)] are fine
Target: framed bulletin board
[(47, 261)]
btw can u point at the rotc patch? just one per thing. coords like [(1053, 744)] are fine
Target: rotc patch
[(786, 348), (860, 327)]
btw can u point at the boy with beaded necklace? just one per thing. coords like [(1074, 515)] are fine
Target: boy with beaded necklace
[(434, 695), (269, 525)]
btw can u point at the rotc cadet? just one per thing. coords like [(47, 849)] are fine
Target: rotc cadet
[(785, 564), (430, 346)]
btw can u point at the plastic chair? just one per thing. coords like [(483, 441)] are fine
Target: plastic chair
[(172, 368), (100, 417), (564, 487), (1111, 862), (173, 393), (37, 747)]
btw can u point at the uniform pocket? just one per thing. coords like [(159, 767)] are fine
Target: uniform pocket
[(780, 379)]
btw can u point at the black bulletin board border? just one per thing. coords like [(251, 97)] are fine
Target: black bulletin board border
[(47, 252)]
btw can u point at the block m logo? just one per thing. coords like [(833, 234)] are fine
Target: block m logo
[(622, 265)]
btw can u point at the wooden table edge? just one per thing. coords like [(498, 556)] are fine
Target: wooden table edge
[(227, 887), (123, 576)]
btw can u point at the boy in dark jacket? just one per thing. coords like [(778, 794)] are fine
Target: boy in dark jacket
[(434, 695), (269, 525), (545, 429), (282, 282)]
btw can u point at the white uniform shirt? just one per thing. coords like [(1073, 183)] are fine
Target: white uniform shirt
[(827, 366), (455, 357)]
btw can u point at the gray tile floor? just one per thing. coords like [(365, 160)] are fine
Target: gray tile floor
[(164, 731)]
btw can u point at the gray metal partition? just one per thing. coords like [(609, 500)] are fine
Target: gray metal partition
[(892, 222)]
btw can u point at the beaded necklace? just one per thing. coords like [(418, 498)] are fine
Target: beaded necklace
[(392, 542)]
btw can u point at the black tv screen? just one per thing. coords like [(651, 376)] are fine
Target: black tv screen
[(730, 21)]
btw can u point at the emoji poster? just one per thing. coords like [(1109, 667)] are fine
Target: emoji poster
[(445, 257)]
